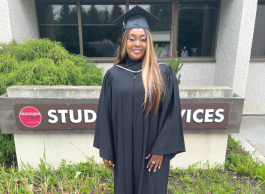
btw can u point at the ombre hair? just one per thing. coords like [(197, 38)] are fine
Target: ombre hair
[(153, 81)]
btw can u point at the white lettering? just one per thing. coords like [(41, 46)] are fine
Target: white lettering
[(188, 116), (94, 116), (195, 117), (79, 116), (183, 112), (29, 113), (51, 115), (218, 114), (208, 115), (62, 112)]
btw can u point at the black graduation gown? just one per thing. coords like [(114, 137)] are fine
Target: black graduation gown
[(123, 136)]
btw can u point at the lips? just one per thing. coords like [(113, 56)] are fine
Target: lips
[(136, 51)]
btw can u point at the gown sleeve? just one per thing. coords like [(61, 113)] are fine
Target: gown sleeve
[(104, 139), (170, 140)]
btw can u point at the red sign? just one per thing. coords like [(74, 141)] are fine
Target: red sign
[(30, 116)]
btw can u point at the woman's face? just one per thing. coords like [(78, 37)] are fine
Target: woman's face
[(136, 44)]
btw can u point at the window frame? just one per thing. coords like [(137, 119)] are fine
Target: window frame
[(257, 58), (175, 4)]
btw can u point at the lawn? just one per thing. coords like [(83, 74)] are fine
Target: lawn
[(240, 174)]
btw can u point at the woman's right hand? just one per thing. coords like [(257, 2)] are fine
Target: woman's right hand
[(108, 164)]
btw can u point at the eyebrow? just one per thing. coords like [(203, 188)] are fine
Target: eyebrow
[(140, 35)]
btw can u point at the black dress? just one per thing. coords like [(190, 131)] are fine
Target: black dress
[(123, 136)]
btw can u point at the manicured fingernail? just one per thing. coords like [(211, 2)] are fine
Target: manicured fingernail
[(146, 157), (158, 167), (154, 170), (147, 167), (149, 170), (113, 164)]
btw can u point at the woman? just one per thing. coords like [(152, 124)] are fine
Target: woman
[(139, 128)]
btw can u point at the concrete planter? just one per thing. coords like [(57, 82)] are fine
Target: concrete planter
[(201, 144)]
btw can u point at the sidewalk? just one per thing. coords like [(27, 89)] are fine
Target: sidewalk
[(252, 135)]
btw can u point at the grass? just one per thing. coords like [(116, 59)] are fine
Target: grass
[(240, 174)]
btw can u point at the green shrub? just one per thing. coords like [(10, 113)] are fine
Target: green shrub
[(175, 63), (41, 62), (44, 62), (7, 148), (242, 164)]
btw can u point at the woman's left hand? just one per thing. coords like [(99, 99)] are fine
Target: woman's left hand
[(157, 159)]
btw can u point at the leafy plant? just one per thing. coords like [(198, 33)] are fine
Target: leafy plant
[(243, 164), (7, 148), (261, 174), (44, 62), (175, 63), (41, 62), (92, 177), (176, 66)]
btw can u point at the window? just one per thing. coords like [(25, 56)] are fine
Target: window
[(93, 35), (100, 37), (258, 44), (197, 28), (58, 21)]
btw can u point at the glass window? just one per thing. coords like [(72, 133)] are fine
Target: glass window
[(58, 21), (197, 28), (100, 37), (161, 32), (258, 44)]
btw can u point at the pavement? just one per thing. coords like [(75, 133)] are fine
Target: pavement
[(252, 135)]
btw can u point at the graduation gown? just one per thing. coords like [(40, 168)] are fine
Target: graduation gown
[(124, 136)]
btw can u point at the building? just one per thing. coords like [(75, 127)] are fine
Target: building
[(225, 39)]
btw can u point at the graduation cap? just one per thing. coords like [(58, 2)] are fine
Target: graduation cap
[(136, 17)]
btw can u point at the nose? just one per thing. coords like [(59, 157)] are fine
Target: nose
[(137, 43)]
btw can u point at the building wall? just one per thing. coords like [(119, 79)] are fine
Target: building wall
[(197, 74), (255, 89), (77, 147), (18, 20), (235, 34), (5, 27), (192, 74)]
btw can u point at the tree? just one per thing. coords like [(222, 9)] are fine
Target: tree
[(114, 31), (93, 15), (67, 16), (116, 12), (106, 16), (162, 12), (68, 35), (190, 26)]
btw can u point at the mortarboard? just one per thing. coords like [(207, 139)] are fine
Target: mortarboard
[(136, 17)]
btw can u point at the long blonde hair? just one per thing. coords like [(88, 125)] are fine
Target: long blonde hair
[(153, 81)]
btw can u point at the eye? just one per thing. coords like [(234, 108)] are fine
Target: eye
[(132, 38), (143, 39)]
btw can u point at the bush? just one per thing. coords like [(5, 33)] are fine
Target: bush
[(7, 148), (44, 62), (41, 62), (175, 63)]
